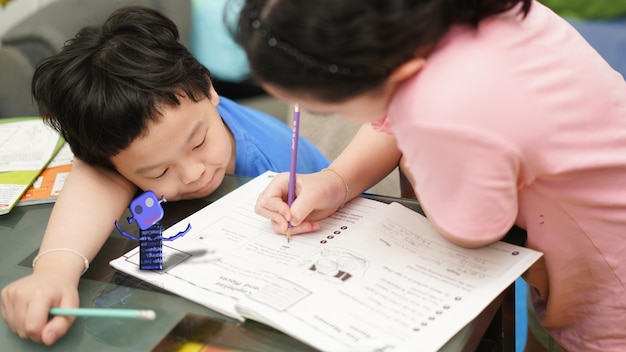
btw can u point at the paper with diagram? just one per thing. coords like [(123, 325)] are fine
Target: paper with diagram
[(376, 276)]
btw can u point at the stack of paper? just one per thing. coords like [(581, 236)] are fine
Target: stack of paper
[(48, 185), (26, 147)]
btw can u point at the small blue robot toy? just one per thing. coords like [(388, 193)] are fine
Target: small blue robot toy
[(147, 211)]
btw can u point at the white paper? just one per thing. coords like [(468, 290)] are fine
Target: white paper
[(26, 145), (376, 276), (397, 286), (231, 251), (63, 157)]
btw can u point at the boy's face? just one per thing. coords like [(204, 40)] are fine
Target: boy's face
[(184, 155)]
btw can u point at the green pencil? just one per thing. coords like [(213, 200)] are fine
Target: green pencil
[(106, 313)]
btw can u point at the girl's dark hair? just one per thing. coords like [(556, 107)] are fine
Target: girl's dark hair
[(108, 82), (333, 50)]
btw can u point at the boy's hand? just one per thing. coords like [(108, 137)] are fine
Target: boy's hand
[(318, 195), (27, 301)]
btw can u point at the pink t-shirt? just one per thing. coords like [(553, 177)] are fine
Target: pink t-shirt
[(523, 123)]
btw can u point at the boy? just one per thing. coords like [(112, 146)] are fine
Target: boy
[(139, 112)]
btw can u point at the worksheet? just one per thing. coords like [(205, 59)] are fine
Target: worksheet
[(396, 285), (375, 277), (230, 251)]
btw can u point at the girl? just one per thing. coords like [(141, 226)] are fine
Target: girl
[(504, 116)]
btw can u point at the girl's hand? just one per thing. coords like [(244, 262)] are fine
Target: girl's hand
[(318, 195)]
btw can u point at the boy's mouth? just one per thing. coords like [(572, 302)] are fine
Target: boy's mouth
[(206, 186)]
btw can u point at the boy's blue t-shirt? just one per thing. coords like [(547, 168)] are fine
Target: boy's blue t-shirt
[(264, 143)]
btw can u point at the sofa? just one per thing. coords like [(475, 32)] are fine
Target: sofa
[(44, 32)]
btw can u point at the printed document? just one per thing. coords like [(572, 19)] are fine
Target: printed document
[(376, 276)]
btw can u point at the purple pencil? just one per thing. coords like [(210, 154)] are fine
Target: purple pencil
[(291, 192)]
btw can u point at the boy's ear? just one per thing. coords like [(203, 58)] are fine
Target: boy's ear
[(407, 69), (215, 98)]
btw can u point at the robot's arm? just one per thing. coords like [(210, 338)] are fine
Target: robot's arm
[(125, 233), (180, 234)]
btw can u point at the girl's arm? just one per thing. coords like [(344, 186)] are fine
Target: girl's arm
[(369, 157)]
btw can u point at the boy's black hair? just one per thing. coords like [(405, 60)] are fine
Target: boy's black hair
[(334, 50), (108, 82)]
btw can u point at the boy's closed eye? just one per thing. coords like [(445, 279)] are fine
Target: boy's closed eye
[(162, 174), (194, 148), (201, 143)]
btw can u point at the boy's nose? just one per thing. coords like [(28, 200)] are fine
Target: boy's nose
[(192, 171)]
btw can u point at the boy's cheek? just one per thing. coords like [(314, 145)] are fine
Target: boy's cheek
[(159, 190)]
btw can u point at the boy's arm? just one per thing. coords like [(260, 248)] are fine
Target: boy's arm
[(83, 217), (81, 220)]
